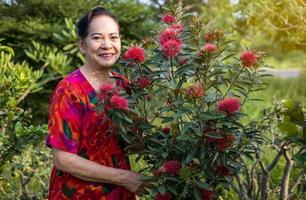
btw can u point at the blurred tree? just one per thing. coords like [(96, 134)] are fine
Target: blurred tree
[(24, 21), (282, 24), (278, 27)]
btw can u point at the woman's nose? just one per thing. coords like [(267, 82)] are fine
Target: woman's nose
[(106, 44)]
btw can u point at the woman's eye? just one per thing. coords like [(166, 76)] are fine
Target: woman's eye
[(96, 38), (114, 37)]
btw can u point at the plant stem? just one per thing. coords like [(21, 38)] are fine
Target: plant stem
[(233, 82), (249, 89), (171, 67)]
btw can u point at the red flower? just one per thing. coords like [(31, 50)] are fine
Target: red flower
[(134, 53), (149, 97), (248, 58), (168, 18), (210, 47), (143, 82), (119, 102), (178, 27), (225, 142), (206, 194), (211, 130), (166, 196), (221, 143), (229, 105), (167, 35), (195, 90), (172, 166), (106, 87), (184, 61), (171, 48), (166, 130), (222, 171)]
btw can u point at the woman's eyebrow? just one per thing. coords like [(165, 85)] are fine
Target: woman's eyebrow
[(102, 34)]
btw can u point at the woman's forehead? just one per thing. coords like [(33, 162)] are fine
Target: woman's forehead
[(103, 24)]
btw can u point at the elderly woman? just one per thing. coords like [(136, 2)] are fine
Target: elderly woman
[(89, 160)]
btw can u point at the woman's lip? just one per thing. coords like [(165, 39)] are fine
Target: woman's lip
[(106, 54)]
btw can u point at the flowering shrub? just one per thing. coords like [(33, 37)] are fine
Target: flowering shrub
[(185, 103)]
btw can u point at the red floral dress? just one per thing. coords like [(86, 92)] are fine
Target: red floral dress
[(75, 126)]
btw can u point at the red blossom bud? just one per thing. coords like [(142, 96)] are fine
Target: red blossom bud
[(166, 130), (222, 171), (172, 166), (206, 194), (166, 196), (229, 105), (248, 58), (210, 47)]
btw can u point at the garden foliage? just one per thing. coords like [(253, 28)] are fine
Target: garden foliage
[(185, 94)]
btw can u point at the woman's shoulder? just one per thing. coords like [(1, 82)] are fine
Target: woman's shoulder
[(71, 83)]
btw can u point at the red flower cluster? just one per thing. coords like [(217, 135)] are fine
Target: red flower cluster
[(119, 102), (166, 196), (225, 142), (171, 48), (222, 143), (248, 58), (178, 27), (213, 35), (195, 90), (229, 105), (135, 53), (222, 171), (106, 88), (206, 194), (168, 18), (210, 47), (168, 35), (170, 42), (143, 82), (172, 166), (166, 130)]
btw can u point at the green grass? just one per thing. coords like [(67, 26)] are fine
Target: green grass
[(278, 88), (294, 59)]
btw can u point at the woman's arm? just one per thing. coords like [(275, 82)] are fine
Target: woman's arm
[(91, 171)]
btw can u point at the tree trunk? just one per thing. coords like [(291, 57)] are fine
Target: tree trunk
[(285, 180)]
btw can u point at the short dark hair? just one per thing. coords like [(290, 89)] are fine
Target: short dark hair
[(84, 21)]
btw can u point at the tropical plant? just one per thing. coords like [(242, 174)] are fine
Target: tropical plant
[(185, 96), (17, 81)]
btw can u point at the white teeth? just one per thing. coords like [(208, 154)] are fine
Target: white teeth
[(106, 55)]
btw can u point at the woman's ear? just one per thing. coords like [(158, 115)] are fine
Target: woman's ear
[(82, 46)]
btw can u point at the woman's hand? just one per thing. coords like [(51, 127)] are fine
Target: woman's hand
[(133, 182)]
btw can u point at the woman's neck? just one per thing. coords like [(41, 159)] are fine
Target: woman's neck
[(96, 77)]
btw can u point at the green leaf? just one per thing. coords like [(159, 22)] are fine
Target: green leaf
[(289, 128), (191, 155), (196, 194), (247, 155), (202, 185), (172, 189), (162, 189)]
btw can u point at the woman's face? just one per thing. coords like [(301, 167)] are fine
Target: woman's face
[(102, 44)]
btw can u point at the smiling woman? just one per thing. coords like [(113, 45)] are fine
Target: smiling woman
[(89, 162)]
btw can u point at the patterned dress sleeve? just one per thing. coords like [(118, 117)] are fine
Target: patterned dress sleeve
[(64, 125)]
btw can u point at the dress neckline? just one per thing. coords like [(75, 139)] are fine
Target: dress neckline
[(89, 84)]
